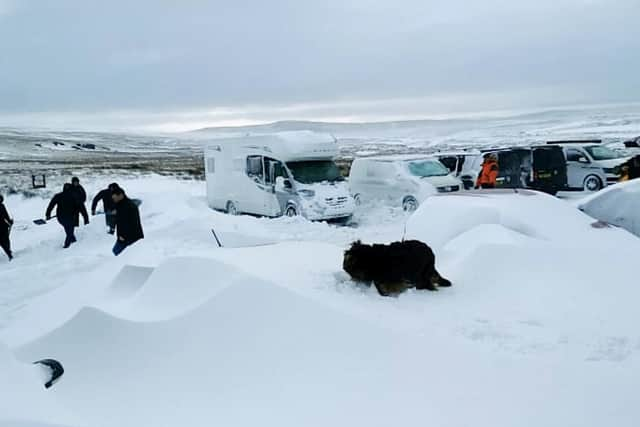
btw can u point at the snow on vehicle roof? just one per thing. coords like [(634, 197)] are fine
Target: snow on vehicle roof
[(537, 216), (399, 157), (632, 186), (469, 152), (286, 146)]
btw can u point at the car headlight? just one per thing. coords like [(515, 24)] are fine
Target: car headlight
[(307, 194)]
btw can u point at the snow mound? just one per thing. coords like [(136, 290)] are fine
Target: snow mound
[(176, 287), (538, 216), (127, 282), (252, 345), (254, 353)]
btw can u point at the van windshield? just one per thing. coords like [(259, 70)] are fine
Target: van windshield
[(314, 171), (599, 152), (426, 168)]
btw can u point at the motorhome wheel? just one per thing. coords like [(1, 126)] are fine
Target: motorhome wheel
[(231, 208)]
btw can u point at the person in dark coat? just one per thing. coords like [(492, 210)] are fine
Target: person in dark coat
[(5, 228), (80, 195), (108, 205), (128, 225), (68, 208)]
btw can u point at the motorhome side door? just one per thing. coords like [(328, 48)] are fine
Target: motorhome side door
[(254, 201), (277, 198)]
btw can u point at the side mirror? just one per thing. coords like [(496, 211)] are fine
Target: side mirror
[(282, 183), (583, 159)]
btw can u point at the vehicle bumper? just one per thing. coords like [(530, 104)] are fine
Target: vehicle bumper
[(612, 179), (316, 212)]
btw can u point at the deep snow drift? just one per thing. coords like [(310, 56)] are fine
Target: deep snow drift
[(540, 327)]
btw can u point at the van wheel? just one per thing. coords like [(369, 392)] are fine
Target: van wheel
[(291, 211), (357, 200), (409, 204), (592, 183), (231, 208)]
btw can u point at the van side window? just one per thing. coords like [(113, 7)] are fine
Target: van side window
[(574, 155), (274, 169), (254, 168), (211, 165), (371, 169)]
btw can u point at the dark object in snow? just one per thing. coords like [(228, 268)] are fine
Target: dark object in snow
[(600, 224), (56, 143), (38, 181), (79, 146), (394, 268), (216, 236), (56, 370)]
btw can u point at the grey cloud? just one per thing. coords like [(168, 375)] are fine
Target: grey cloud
[(90, 56)]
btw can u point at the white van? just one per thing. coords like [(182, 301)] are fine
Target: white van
[(591, 165), (465, 165), (288, 173), (402, 180)]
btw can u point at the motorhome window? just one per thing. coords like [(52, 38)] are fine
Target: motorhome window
[(598, 152), (277, 167), (426, 168), (254, 167), (313, 171), (574, 155)]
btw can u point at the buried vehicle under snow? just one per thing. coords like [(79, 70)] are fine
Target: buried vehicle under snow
[(288, 173), (401, 180)]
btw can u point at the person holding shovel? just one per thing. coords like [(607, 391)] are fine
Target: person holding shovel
[(68, 208)]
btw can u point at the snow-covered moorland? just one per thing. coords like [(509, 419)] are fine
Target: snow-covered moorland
[(540, 327)]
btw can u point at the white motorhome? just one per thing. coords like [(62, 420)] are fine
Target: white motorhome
[(288, 173)]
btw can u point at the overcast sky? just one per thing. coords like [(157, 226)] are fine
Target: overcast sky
[(255, 60)]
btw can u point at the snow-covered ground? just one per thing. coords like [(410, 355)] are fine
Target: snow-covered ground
[(540, 327)]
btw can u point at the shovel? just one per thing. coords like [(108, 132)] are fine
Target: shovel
[(41, 221)]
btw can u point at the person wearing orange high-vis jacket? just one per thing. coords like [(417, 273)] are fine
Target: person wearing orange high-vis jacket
[(488, 173)]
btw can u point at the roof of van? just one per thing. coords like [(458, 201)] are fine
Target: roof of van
[(457, 153), (399, 157), (286, 146)]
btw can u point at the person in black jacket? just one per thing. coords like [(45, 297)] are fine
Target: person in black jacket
[(80, 195), (68, 208), (128, 226), (5, 227), (108, 205)]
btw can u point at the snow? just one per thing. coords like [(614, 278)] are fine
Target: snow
[(539, 328), (618, 205)]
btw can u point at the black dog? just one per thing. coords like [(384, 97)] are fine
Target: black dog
[(394, 268)]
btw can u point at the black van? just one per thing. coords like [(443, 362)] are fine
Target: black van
[(541, 168)]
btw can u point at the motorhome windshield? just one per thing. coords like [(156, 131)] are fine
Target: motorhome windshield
[(426, 168), (313, 171), (599, 152)]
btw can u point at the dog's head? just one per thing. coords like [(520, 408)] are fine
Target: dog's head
[(355, 261)]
